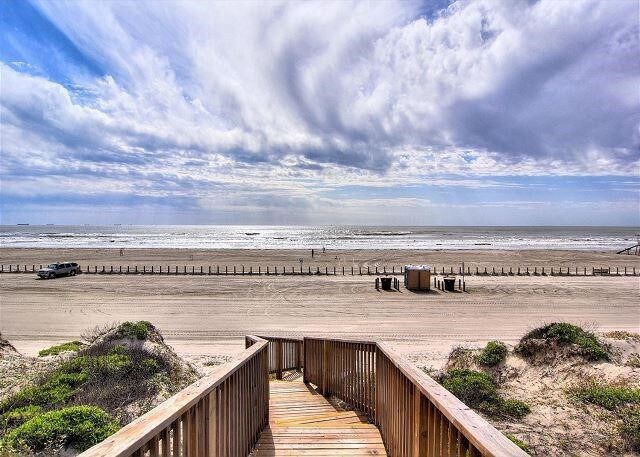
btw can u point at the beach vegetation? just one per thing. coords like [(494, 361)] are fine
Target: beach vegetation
[(494, 352), (630, 428), (54, 390), (479, 391), (634, 360), (18, 416), (91, 335), (608, 396), (133, 330), (562, 334), (518, 442), (76, 427), (71, 346), (623, 335), (514, 408)]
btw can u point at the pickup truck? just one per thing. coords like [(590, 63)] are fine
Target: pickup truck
[(59, 269)]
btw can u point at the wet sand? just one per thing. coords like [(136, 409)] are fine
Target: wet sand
[(210, 314)]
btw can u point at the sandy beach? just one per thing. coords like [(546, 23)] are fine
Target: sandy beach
[(210, 314)]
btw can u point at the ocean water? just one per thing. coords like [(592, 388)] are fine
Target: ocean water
[(333, 237)]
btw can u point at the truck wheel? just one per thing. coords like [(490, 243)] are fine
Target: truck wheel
[(51, 276), (72, 273)]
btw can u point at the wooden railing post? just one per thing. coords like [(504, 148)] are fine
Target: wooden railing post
[(212, 421), (419, 445), (325, 362), (304, 361), (279, 357)]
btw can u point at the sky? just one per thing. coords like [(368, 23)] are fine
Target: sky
[(483, 112)]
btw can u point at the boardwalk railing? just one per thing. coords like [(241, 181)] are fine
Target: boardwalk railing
[(224, 413), (285, 354), (221, 414), (416, 416)]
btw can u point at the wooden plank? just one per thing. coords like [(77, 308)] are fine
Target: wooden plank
[(303, 422)]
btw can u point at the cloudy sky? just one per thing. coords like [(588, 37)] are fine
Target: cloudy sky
[(435, 112)]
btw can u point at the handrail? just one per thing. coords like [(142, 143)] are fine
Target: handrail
[(224, 413), (221, 414), (482, 437), (416, 416), (285, 354)]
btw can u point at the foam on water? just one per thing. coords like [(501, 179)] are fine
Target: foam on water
[(334, 237)]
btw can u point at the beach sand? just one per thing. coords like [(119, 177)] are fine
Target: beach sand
[(210, 314)]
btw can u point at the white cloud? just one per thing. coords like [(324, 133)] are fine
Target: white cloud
[(203, 96)]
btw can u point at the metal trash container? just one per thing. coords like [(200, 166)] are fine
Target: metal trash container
[(386, 283), (449, 284)]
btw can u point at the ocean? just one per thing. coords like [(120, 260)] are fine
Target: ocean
[(334, 237)]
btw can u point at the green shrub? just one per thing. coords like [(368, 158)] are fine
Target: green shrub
[(609, 396), (150, 364), (514, 408), (17, 416), (518, 442), (564, 333), (55, 391), (100, 365), (630, 428), (71, 346), (493, 353), (477, 390), (134, 330), (78, 427), (472, 387)]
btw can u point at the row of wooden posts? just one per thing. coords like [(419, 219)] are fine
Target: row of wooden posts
[(353, 271)]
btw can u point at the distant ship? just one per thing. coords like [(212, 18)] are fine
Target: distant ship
[(23, 224)]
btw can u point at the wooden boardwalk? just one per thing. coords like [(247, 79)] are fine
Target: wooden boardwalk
[(303, 422)]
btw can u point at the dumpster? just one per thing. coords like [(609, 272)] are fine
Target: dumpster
[(386, 283), (449, 284)]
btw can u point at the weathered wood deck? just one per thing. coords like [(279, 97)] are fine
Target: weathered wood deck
[(303, 422)]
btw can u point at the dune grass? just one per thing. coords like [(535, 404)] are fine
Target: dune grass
[(493, 353), (563, 333), (477, 390), (71, 346)]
